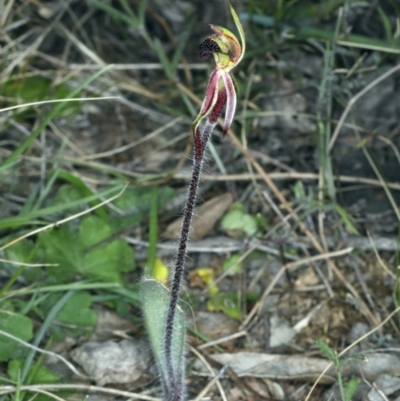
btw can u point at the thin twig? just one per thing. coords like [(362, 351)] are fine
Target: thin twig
[(215, 377), (355, 98), (86, 388), (50, 353), (80, 99), (58, 223)]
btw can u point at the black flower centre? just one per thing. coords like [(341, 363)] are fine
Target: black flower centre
[(207, 47)]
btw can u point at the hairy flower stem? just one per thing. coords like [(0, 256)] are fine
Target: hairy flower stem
[(200, 141)]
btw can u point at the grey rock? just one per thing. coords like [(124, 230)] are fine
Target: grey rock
[(111, 362)]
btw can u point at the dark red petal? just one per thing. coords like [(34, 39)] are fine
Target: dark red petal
[(230, 102), (211, 92), (219, 106), (207, 47)]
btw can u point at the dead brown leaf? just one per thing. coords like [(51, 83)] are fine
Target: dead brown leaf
[(206, 216)]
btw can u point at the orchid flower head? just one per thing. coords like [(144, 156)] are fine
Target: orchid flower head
[(221, 91)]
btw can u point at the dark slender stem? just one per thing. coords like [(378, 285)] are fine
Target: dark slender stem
[(201, 138)]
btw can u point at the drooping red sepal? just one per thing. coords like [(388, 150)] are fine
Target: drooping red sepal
[(211, 93), (230, 102), (219, 106), (210, 98)]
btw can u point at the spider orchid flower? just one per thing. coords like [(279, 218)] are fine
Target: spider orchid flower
[(221, 89), (164, 319)]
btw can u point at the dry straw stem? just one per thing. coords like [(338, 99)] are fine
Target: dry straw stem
[(59, 222), (51, 395), (392, 145), (289, 176), (350, 347), (215, 377), (355, 98), (5, 12), (131, 145), (222, 340), (289, 209), (357, 45), (83, 99), (277, 176), (380, 177), (137, 66), (84, 387), (378, 257), (50, 353), (210, 384), (11, 262)]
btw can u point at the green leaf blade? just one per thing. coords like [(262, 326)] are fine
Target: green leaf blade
[(327, 350), (351, 389), (19, 326), (155, 302)]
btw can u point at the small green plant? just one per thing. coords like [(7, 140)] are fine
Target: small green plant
[(347, 392), (164, 320)]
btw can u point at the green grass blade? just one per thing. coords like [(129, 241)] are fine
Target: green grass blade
[(125, 5), (27, 218), (65, 287), (151, 256), (42, 331), (113, 12)]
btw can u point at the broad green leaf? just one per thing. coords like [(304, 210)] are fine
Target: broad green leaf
[(19, 326), (237, 223), (80, 189), (92, 231), (77, 311), (351, 389), (42, 374), (226, 303), (20, 251), (27, 89), (23, 251), (105, 262), (61, 246), (37, 88), (67, 194), (230, 264), (327, 350), (87, 251), (155, 301)]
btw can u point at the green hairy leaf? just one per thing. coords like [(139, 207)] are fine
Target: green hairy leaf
[(155, 302)]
